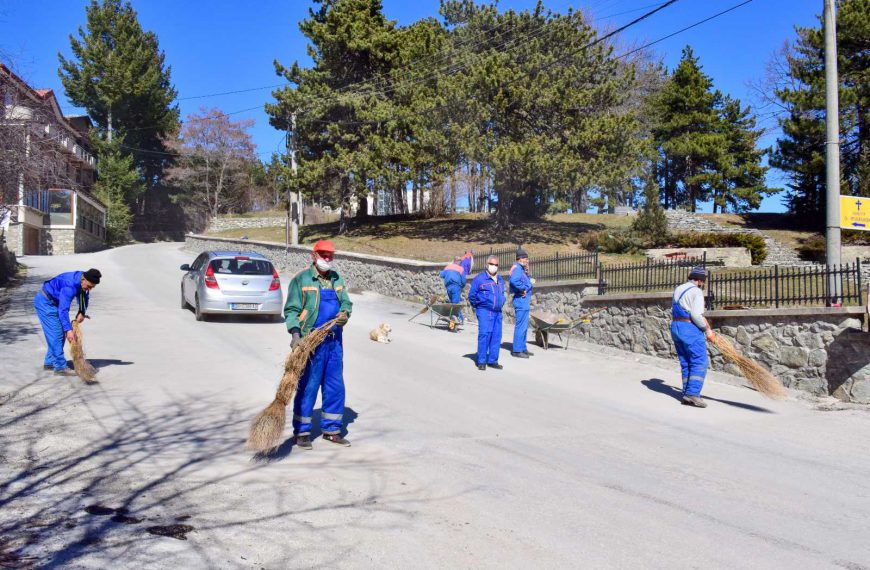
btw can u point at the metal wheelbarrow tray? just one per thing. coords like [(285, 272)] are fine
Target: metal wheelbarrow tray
[(445, 313), (547, 323)]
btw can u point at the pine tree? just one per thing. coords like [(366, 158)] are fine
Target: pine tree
[(706, 143), (651, 223), (117, 185), (686, 133), (118, 74), (800, 151)]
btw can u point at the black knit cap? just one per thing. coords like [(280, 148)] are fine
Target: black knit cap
[(93, 275), (699, 273), (521, 253)]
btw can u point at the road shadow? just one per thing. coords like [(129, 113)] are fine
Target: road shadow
[(104, 362), (284, 450), (658, 385), (12, 333)]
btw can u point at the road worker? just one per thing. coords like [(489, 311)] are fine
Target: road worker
[(521, 294), (315, 296), (454, 277), (690, 330), (487, 296), (52, 304)]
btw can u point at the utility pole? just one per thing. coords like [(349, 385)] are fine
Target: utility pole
[(291, 226), (832, 152), (297, 209)]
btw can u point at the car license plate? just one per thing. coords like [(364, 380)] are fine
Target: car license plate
[(243, 306)]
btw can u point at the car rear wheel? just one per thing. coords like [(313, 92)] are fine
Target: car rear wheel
[(200, 316)]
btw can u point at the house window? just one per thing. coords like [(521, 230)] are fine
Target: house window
[(90, 219), (60, 206)]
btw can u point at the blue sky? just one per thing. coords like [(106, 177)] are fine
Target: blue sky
[(225, 45)]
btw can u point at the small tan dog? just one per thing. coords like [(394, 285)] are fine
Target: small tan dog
[(381, 334)]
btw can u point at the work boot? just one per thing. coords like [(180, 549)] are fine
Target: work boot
[(65, 372), (303, 442), (527, 353), (696, 401), (519, 355), (336, 439), (495, 365), (47, 367), (481, 366)]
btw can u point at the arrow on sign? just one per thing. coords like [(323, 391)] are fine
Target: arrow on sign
[(857, 225)]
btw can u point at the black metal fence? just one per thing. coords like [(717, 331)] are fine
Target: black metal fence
[(783, 286), (554, 267), (645, 276), (506, 257), (575, 266)]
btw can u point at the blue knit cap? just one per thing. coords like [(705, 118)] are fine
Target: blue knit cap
[(698, 272)]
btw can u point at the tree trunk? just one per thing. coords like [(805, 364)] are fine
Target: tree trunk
[(345, 205)]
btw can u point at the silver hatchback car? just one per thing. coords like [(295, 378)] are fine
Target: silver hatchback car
[(227, 282)]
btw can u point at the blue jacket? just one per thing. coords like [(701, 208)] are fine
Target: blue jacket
[(487, 294), (520, 281), (62, 290), (453, 276)]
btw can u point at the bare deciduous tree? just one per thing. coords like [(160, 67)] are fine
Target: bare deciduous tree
[(212, 169)]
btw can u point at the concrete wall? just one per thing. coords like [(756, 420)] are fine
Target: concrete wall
[(223, 224), (817, 350)]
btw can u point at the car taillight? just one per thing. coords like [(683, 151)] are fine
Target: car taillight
[(210, 280), (276, 283)]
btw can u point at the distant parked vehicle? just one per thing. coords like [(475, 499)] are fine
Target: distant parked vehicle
[(231, 283)]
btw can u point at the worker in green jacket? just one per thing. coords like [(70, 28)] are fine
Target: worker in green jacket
[(315, 296)]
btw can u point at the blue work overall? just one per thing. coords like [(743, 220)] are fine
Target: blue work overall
[(52, 304), (520, 283), (454, 280), (324, 371), (691, 348)]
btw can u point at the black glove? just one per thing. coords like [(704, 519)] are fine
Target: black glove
[(295, 338), (342, 319)]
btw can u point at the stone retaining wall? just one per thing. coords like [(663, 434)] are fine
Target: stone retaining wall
[(798, 345), (223, 224)]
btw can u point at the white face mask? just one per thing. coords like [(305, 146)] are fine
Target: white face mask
[(493, 269), (322, 265)]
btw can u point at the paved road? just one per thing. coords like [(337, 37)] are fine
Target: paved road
[(572, 459)]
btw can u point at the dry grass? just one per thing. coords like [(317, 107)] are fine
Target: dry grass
[(780, 227), (441, 239), (83, 368), (266, 429), (762, 380)]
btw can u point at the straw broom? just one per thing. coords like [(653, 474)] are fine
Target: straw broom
[(83, 368), (758, 376), (432, 300), (266, 429)]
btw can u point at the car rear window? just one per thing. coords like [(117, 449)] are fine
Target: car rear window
[(241, 266)]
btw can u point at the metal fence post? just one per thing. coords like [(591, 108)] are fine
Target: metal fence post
[(646, 275), (600, 278), (858, 270), (776, 285)]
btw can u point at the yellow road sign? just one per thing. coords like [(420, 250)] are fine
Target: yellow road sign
[(855, 213)]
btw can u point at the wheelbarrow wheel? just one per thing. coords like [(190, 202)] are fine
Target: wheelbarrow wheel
[(541, 339), (451, 326)]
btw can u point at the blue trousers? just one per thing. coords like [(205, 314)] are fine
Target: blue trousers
[(488, 336), (325, 372), (454, 295), (520, 329), (692, 352), (52, 329)]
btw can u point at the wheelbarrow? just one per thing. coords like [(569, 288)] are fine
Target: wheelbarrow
[(549, 323), (445, 313)]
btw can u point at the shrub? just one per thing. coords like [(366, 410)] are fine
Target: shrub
[(813, 248), (651, 224), (753, 242)]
